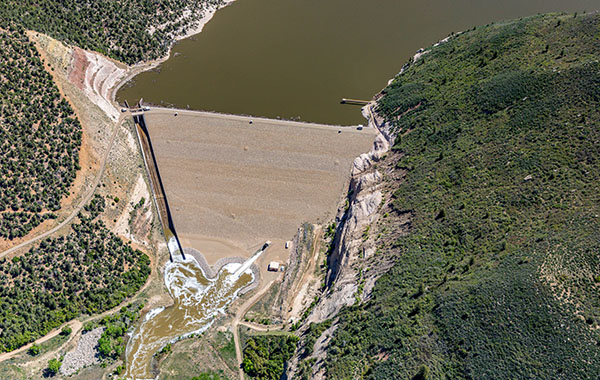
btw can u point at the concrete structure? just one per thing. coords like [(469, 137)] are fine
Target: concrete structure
[(158, 192)]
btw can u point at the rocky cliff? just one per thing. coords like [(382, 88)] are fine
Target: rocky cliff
[(354, 265)]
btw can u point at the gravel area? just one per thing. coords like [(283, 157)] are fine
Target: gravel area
[(85, 354)]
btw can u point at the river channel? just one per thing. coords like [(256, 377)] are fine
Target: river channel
[(298, 58), (197, 301)]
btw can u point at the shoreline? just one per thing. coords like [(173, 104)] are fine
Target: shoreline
[(307, 124), (253, 117), (138, 68)]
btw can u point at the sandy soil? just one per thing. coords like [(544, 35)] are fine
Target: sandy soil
[(123, 225), (213, 248), (96, 75), (232, 185), (307, 282), (199, 25)]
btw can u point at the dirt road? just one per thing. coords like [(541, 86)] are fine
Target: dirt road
[(261, 328), (75, 325), (83, 202), (236, 321)]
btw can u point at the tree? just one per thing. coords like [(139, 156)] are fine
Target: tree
[(34, 350), (66, 331), (53, 366)]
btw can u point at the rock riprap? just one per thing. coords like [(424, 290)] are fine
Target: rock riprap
[(85, 354)]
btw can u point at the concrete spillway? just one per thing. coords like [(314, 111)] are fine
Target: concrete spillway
[(158, 192), (248, 263)]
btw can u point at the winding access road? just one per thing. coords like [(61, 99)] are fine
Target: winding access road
[(74, 324), (81, 204), (236, 321)]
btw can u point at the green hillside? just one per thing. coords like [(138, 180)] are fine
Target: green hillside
[(499, 278), (87, 271), (40, 137), (127, 30)]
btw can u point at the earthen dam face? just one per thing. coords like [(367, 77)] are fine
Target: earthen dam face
[(234, 182)]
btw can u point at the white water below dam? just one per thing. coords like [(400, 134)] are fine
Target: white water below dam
[(197, 301)]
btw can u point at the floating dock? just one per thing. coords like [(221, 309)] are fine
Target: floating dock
[(355, 102)]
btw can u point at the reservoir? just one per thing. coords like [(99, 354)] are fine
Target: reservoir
[(297, 58)]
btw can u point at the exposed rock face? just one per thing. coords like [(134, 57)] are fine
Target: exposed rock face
[(350, 246), (298, 261), (354, 248), (364, 202), (96, 75)]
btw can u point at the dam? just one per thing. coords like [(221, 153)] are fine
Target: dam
[(230, 192), (234, 182)]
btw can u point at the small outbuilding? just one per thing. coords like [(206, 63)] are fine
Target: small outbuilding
[(288, 244), (273, 266)]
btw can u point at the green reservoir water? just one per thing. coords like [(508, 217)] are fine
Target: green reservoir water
[(298, 58)]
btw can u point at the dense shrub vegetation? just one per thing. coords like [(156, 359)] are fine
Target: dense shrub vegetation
[(111, 343), (210, 375), (39, 139), (265, 355), (85, 272), (499, 129), (53, 367), (127, 30)]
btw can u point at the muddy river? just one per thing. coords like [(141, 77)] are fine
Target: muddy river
[(197, 301), (298, 58)]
